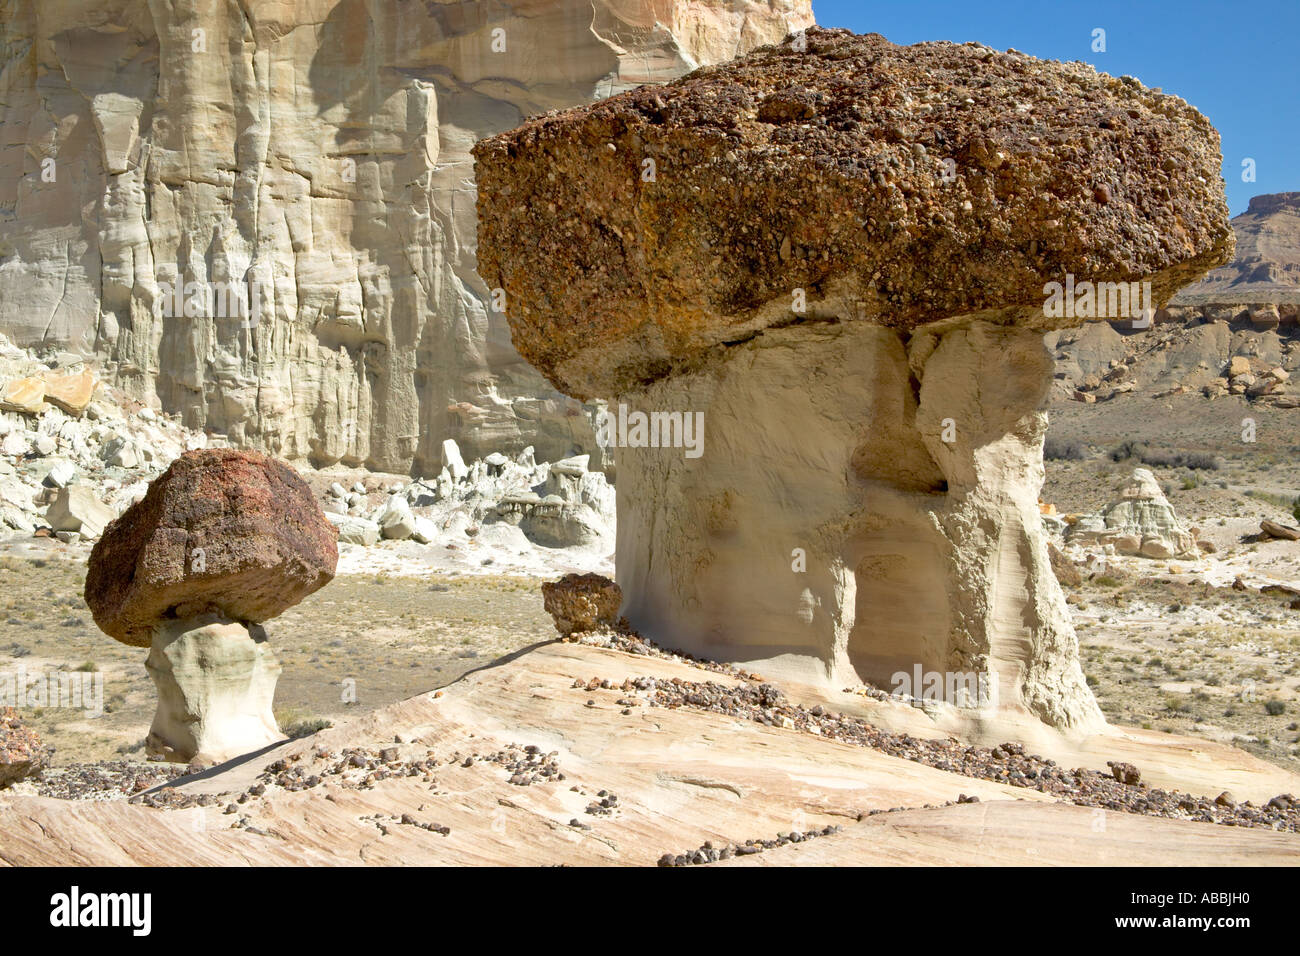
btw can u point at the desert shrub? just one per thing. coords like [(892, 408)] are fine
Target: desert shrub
[(1127, 450), (1164, 457), (1295, 509), (1063, 449), (1280, 501), (293, 726), (1274, 707)]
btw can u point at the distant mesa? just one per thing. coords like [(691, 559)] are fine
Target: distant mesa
[(1266, 268)]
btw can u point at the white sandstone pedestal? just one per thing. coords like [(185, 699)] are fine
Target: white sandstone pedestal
[(216, 684), (864, 506)]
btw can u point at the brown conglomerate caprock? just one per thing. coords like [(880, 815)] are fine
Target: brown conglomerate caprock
[(232, 532), (898, 185)]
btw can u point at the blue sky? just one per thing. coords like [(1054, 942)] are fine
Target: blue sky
[(1235, 62)]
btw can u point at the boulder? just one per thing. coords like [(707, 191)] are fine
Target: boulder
[(1264, 317), (424, 530), (71, 392), (354, 530), (1124, 543), (893, 167), (15, 444), (577, 465), (26, 395), (22, 755), (785, 246), (395, 520), (1160, 548), (1281, 531), (452, 460), (582, 602), (220, 530), (1125, 773), (559, 524), (60, 474), (120, 452), (76, 508)]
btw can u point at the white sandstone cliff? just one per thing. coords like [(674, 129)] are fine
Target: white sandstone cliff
[(306, 165)]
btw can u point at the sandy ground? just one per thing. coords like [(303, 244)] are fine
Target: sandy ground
[(393, 633)]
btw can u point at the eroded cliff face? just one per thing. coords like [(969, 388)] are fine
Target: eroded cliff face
[(261, 213)]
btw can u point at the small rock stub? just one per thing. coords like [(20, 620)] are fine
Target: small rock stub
[(633, 235), (21, 753), (1125, 773), (231, 532), (582, 602)]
